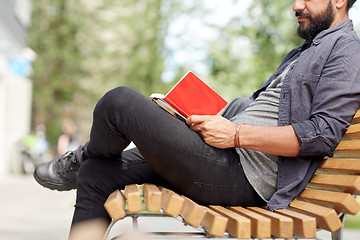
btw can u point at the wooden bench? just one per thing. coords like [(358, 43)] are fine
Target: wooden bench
[(322, 205)]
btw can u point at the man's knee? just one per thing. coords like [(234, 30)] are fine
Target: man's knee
[(116, 99), (118, 95), (119, 92)]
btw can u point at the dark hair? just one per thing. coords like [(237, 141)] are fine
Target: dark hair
[(350, 3)]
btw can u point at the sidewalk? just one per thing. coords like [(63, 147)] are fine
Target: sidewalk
[(31, 212)]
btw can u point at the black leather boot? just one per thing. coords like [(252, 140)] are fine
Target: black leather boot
[(61, 173)]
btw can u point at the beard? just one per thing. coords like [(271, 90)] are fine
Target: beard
[(318, 23)]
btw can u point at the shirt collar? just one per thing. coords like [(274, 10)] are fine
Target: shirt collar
[(346, 24)]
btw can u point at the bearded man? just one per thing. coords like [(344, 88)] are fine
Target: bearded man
[(262, 150)]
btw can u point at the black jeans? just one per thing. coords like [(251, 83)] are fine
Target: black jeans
[(168, 153)]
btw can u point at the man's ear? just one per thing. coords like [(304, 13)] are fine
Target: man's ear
[(340, 3)]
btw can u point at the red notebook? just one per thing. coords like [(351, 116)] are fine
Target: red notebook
[(190, 96)]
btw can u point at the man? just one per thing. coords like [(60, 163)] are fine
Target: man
[(262, 150)]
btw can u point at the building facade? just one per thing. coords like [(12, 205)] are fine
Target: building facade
[(15, 86)]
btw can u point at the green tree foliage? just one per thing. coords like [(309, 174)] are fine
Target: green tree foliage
[(123, 44), (250, 47), (85, 48), (55, 25)]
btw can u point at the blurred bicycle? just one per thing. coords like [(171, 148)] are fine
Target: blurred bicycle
[(32, 149)]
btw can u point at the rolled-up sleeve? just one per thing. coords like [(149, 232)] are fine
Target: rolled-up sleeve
[(336, 98)]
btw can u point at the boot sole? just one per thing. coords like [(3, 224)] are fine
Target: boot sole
[(53, 185)]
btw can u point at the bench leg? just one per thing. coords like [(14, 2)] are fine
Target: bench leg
[(108, 229), (135, 222), (112, 223), (338, 235)]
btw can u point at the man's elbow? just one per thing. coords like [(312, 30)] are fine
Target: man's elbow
[(316, 148)]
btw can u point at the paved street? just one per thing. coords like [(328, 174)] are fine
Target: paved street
[(31, 212)]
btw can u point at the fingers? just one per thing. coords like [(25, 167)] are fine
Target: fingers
[(195, 119), (196, 122)]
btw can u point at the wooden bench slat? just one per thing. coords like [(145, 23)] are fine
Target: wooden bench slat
[(260, 225), (171, 202), (304, 225), (281, 226), (341, 202), (341, 165), (326, 218), (353, 132), (356, 118), (192, 213), (238, 226), (344, 183), (214, 223), (115, 205), (152, 197), (133, 198), (347, 149)]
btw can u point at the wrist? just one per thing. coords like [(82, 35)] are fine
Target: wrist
[(237, 142)]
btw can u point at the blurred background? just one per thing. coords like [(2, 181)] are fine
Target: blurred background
[(58, 57)]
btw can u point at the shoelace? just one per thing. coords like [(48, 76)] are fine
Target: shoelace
[(67, 163)]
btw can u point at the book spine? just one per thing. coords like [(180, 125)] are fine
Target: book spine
[(177, 107), (169, 108)]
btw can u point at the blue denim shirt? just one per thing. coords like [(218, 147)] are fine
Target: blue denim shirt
[(319, 97)]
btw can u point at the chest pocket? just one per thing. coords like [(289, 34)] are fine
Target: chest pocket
[(303, 88)]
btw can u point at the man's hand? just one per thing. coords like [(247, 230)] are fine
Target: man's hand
[(217, 131), (220, 132)]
